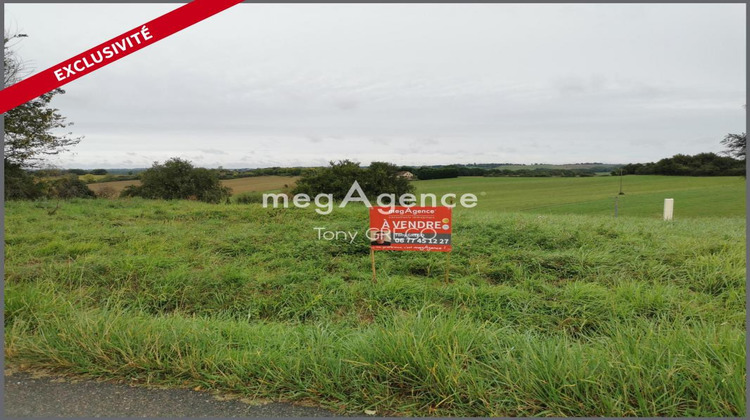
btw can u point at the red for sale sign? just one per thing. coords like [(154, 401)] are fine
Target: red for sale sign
[(410, 228)]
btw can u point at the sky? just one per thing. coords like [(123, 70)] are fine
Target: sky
[(262, 85)]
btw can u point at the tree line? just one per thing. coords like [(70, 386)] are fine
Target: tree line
[(702, 164), (455, 171)]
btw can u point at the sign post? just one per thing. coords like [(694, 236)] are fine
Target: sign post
[(410, 229), (447, 267), (372, 257)]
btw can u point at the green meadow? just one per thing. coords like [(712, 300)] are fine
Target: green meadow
[(543, 314), (644, 194)]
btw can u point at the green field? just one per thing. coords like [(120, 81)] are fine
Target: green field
[(644, 194), (553, 166), (543, 315)]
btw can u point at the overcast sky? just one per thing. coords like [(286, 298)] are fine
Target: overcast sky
[(267, 85)]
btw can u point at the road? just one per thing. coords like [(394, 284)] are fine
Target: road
[(40, 394)]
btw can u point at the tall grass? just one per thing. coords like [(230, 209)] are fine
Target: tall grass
[(543, 315)]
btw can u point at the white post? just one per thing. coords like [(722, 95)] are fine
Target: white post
[(668, 208)]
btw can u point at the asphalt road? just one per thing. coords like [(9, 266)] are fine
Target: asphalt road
[(38, 394)]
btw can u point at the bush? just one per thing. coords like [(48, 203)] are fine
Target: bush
[(106, 192), (249, 198), (178, 179), (20, 184), (69, 187)]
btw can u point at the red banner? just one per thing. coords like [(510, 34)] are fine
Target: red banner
[(110, 51), (410, 228)]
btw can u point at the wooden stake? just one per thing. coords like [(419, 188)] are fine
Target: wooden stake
[(372, 257), (447, 267), (448, 258)]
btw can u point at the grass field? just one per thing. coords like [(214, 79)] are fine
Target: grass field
[(117, 186), (546, 315), (644, 195), (91, 176), (239, 185), (552, 166), (259, 183)]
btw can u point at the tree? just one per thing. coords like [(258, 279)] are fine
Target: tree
[(383, 178), (30, 128), (13, 67), (702, 164), (337, 179), (178, 179), (736, 145)]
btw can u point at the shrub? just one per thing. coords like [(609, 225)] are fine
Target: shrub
[(20, 184), (249, 197), (106, 192), (178, 179), (69, 187)]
